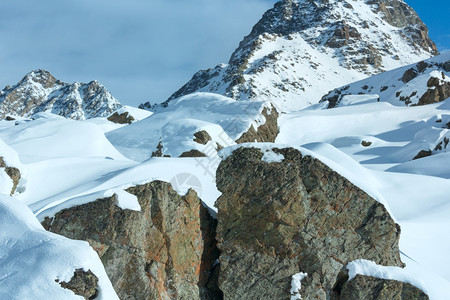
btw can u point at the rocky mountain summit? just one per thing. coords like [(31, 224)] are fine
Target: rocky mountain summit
[(39, 91), (302, 48)]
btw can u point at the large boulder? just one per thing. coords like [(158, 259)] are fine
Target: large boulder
[(165, 251), (279, 217)]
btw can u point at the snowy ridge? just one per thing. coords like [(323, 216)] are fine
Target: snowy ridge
[(422, 83), (39, 91), (302, 48)]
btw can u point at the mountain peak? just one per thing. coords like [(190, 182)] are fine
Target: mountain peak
[(40, 91), (41, 77), (300, 49)]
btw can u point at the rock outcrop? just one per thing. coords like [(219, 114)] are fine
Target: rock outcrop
[(12, 172), (83, 283), (123, 118), (297, 215), (266, 132), (164, 251), (334, 42), (39, 91), (367, 287)]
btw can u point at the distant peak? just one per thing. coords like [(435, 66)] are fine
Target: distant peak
[(42, 77)]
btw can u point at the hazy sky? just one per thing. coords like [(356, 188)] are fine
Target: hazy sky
[(141, 50)]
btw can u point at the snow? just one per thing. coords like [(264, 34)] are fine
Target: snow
[(223, 118), (293, 69), (137, 113), (390, 88), (270, 157), (125, 200), (51, 136), (32, 258), (39, 92), (434, 286), (370, 138), (296, 285)]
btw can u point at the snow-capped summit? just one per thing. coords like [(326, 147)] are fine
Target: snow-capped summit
[(39, 91), (301, 49)]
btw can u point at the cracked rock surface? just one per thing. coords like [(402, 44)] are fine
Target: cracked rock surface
[(281, 218)]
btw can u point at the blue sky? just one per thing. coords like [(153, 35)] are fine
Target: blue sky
[(140, 50), (436, 15)]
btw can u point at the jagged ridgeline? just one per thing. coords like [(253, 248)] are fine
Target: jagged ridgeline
[(301, 49), (39, 91)]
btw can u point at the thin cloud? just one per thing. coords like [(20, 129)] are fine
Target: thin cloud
[(159, 44)]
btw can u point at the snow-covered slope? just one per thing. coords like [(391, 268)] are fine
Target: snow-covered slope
[(39, 91), (423, 83), (301, 49), (224, 119)]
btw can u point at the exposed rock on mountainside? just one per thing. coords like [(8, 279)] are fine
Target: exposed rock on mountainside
[(83, 283), (302, 48), (12, 172), (39, 91), (425, 82), (164, 251), (266, 132), (123, 118), (366, 287), (202, 137), (279, 218)]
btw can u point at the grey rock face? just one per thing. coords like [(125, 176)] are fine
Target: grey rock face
[(366, 287), (278, 219), (39, 91), (83, 284), (165, 251)]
